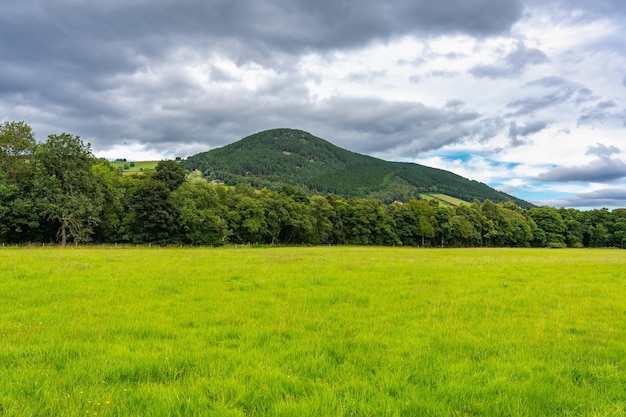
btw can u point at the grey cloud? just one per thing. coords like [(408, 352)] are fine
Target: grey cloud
[(597, 113), (608, 104), (532, 127), (393, 129), (559, 91), (523, 56), (476, 17), (398, 129), (366, 76), (595, 9), (454, 55), (195, 122), (602, 150), (372, 125), (416, 79), (444, 74), (292, 26), (608, 198), (517, 132), (579, 11), (583, 95), (514, 63), (532, 104), (551, 81), (624, 81), (455, 103), (92, 64), (159, 115), (90, 43), (219, 75), (600, 170)]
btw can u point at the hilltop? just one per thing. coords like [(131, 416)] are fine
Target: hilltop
[(279, 157)]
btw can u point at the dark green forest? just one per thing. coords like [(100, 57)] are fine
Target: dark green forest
[(58, 192)]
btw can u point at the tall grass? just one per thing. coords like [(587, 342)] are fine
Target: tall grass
[(336, 331)]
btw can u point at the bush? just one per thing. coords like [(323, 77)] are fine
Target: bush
[(557, 245)]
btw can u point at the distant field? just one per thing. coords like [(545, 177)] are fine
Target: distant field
[(139, 166), (445, 199), (322, 331)]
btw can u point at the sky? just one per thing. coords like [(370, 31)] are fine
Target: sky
[(528, 96)]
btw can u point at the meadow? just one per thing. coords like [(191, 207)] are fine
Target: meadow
[(444, 199), (137, 166), (312, 331)]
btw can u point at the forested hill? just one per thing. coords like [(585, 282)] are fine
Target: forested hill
[(286, 156)]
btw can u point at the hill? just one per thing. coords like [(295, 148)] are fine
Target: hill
[(277, 157)]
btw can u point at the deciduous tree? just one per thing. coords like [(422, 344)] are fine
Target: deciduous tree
[(170, 173), (154, 217), (202, 216), (66, 188), (17, 144)]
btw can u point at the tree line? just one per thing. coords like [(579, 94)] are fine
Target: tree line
[(57, 191)]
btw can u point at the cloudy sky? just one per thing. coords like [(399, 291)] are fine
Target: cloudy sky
[(528, 96)]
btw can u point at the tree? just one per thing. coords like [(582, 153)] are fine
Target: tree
[(521, 232), (17, 145), (286, 219), (170, 173), (321, 213), (462, 230), (496, 229), (574, 233), (443, 229), (598, 236), (296, 193), (368, 223), (19, 218), (466, 224), (66, 188), (598, 227), (202, 216), (154, 217), (425, 210), (338, 233), (246, 215), (115, 189), (414, 221), (407, 223), (550, 222), (619, 233)]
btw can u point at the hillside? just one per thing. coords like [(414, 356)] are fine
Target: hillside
[(277, 157)]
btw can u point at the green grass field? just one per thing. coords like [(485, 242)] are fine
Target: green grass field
[(139, 166), (324, 331), (444, 199)]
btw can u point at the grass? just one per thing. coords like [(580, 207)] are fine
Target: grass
[(444, 199), (139, 166), (325, 331)]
